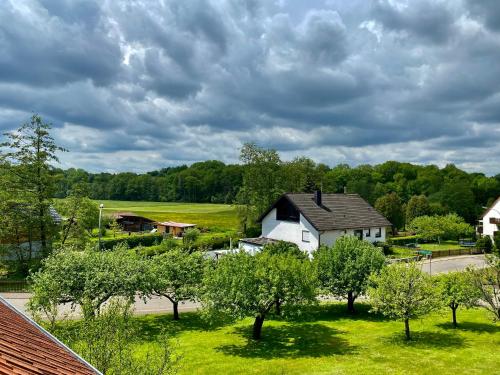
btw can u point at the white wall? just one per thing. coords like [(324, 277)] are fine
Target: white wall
[(489, 229), (290, 231), (249, 248), (328, 238)]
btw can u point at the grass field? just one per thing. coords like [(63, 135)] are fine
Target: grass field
[(328, 341), (215, 216)]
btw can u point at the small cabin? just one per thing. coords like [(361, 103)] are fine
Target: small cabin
[(173, 228), (130, 222)]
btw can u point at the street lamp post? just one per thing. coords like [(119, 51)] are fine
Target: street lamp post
[(101, 206)]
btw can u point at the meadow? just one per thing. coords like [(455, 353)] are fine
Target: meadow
[(217, 217), (326, 340)]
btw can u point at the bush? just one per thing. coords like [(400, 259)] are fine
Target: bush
[(133, 241), (484, 243), (401, 241), (496, 240), (386, 248)]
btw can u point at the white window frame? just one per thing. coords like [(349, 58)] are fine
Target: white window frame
[(369, 233), (378, 233), (307, 237)]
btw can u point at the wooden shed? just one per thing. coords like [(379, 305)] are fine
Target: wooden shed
[(173, 228)]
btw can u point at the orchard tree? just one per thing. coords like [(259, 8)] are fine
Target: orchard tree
[(242, 285), (31, 151), (344, 269), (391, 207), (284, 247), (176, 275), (458, 289), (403, 291), (87, 278), (189, 237), (487, 282), (436, 228), (418, 205)]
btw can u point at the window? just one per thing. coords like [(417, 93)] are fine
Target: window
[(368, 232), (359, 233), (305, 236), (378, 233), (286, 212)]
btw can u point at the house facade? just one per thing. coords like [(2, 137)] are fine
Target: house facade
[(490, 221), (312, 220)]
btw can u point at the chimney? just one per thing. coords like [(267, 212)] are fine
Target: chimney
[(317, 197), (345, 189)]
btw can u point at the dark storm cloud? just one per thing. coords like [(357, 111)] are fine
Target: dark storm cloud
[(150, 83)]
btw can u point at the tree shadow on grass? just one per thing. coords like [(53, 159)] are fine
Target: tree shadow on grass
[(426, 339), (290, 341), (336, 311), (471, 326), (151, 326)]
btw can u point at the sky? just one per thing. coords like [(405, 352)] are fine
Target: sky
[(140, 85)]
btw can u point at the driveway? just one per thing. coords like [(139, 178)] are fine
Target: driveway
[(157, 305)]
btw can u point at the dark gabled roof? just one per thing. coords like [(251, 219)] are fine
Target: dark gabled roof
[(338, 211), (27, 349), (259, 241)]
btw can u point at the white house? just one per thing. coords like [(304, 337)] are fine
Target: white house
[(491, 219), (311, 220)]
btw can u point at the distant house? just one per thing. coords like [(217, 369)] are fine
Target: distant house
[(26, 348), (490, 220), (311, 220), (131, 222), (173, 228)]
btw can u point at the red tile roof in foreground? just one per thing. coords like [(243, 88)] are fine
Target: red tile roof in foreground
[(27, 349)]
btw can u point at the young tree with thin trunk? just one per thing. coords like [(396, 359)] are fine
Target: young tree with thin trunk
[(343, 269), (458, 289), (403, 291), (242, 285), (487, 282), (176, 275), (30, 151)]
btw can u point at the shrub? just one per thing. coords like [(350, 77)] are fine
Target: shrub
[(133, 241), (484, 243), (401, 241), (496, 240)]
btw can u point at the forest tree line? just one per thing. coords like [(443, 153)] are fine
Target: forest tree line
[(263, 175)]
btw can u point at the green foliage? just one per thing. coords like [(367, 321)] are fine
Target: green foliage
[(484, 243), (283, 248), (496, 241), (108, 342), (403, 240), (458, 289), (242, 285), (190, 236), (487, 282), (86, 278), (418, 205), (343, 270), (133, 241), (391, 207), (435, 228), (176, 275), (403, 291)]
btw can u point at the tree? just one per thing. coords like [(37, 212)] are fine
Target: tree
[(87, 278), (418, 205), (190, 236), (458, 289), (176, 275), (115, 227), (390, 206), (403, 291), (283, 247), (487, 282), (31, 151), (344, 268), (496, 241), (450, 226), (243, 285)]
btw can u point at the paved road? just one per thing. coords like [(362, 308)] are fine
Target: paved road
[(162, 305)]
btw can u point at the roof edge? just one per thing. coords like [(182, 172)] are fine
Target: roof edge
[(49, 335)]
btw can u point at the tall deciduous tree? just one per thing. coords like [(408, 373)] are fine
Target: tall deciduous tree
[(450, 226), (458, 289), (391, 207), (242, 285), (487, 282), (418, 205), (403, 291), (176, 275), (344, 269), (31, 151)]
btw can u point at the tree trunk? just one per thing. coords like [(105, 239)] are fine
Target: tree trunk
[(176, 310), (278, 307), (350, 302), (407, 329), (454, 313), (257, 326)]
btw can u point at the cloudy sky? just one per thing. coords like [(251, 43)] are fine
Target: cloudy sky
[(139, 85)]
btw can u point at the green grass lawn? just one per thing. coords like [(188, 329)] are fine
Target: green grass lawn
[(328, 341), (444, 245), (215, 216)]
